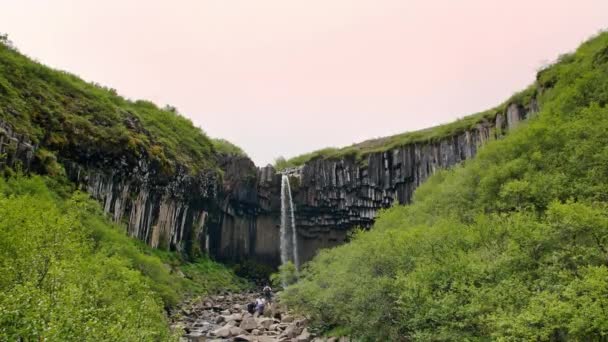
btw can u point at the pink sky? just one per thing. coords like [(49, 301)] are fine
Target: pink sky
[(284, 77)]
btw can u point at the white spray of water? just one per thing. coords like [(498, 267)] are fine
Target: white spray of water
[(289, 237)]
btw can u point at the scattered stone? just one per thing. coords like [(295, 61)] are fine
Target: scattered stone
[(266, 323), (304, 336), (249, 324), (224, 318), (222, 332), (234, 317), (234, 331)]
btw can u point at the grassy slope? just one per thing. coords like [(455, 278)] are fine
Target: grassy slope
[(60, 111), (510, 246), (68, 274)]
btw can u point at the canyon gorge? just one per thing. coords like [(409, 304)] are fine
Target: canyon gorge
[(234, 214)]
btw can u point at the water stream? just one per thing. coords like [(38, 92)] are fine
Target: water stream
[(289, 238)]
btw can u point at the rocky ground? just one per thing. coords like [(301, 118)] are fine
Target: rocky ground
[(225, 318)]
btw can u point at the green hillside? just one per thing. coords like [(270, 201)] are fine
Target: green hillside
[(67, 272), (511, 246), (63, 113)]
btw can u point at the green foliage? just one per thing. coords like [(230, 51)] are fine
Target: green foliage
[(287, 275), (253, 271), (510, 246), (225, 147), (70, 275), (67, 115)]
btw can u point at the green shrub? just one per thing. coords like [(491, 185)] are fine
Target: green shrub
[(70, 275), (509, 246)]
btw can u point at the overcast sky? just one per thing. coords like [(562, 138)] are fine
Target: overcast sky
[(284, 77)]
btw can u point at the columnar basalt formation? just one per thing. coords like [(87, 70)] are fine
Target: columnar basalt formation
[(336, 195), (234, 214), (16, 150)]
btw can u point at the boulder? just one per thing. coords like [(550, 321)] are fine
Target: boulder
[(287, 319), (249, 324), (304, 336), (222, 332), (244, 338), (234, 331), (266, 323), (234, 317), (292, 331)]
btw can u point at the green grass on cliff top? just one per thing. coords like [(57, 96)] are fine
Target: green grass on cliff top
[(362, 149), (64, 113)]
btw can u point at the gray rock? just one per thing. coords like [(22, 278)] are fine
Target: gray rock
[(234, 331), (244, 338), (266, 323), (249, 324), (222, 332), (305, 336)]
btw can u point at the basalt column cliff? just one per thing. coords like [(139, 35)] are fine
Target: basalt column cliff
[(333, 196), (236, 216)]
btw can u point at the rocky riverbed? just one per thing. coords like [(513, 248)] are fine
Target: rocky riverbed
[(225, 318)]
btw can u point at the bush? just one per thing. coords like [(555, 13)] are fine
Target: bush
[(69, 275), (509, 246)]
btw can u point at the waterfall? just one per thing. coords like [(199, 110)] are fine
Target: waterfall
[(289, 238)]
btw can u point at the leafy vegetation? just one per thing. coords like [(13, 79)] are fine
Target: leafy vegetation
[(511, 246), (287, 275), (63, 113), (225, 147), (68, 274)]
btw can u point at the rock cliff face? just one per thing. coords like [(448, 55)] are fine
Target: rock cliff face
[(16, 150), (334, 196), (234, 215)]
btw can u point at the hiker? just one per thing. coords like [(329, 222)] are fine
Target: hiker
[(267, 292), (260, 303), (251, 307)]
